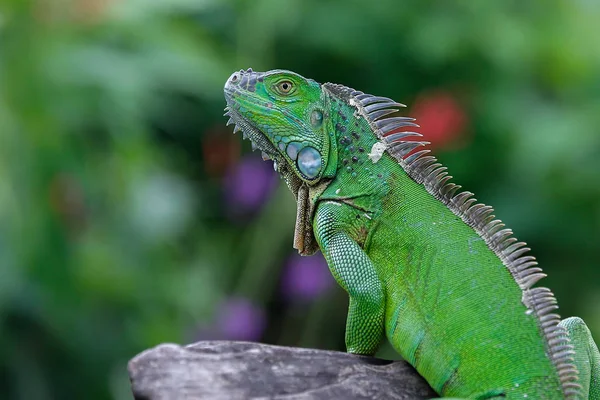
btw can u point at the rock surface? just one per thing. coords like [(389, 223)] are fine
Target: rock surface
[(240, 370)]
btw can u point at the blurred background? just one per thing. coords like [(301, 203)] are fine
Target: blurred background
[(130, 215)]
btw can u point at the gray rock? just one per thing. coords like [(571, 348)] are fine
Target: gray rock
[(240, 370)]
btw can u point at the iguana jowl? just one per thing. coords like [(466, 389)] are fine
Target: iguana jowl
[(422, 262)]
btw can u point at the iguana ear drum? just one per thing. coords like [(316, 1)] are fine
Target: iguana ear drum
[(316, 118), (309, 162)]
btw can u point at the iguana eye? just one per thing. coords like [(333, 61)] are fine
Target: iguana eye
[(285, 87)]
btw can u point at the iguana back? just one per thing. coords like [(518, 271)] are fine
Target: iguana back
[(422, 263)]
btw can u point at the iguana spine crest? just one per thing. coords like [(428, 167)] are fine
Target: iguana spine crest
[(425, 170)]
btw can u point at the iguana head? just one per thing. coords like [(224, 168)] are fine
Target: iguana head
[(285, 116)]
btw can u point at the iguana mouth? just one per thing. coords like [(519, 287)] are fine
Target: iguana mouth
[(260, 142), (256, 137), (249, 131)]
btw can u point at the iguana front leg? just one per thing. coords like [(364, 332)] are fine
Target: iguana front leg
[(587, 356), (353, 270)]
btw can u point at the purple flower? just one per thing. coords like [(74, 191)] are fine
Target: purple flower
[(306, 277), (239, 319), (248, 185)]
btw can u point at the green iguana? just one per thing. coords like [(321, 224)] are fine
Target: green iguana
[(423, 264)]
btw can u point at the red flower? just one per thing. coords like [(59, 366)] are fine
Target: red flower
[(441, 117), (67, 200), (220, 150)]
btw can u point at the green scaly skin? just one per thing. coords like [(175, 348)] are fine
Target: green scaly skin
[(423, 264)]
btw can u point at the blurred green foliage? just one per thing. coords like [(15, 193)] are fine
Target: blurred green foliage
[(120, 226)]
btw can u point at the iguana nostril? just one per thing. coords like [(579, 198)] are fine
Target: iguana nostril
[(234, 78)]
